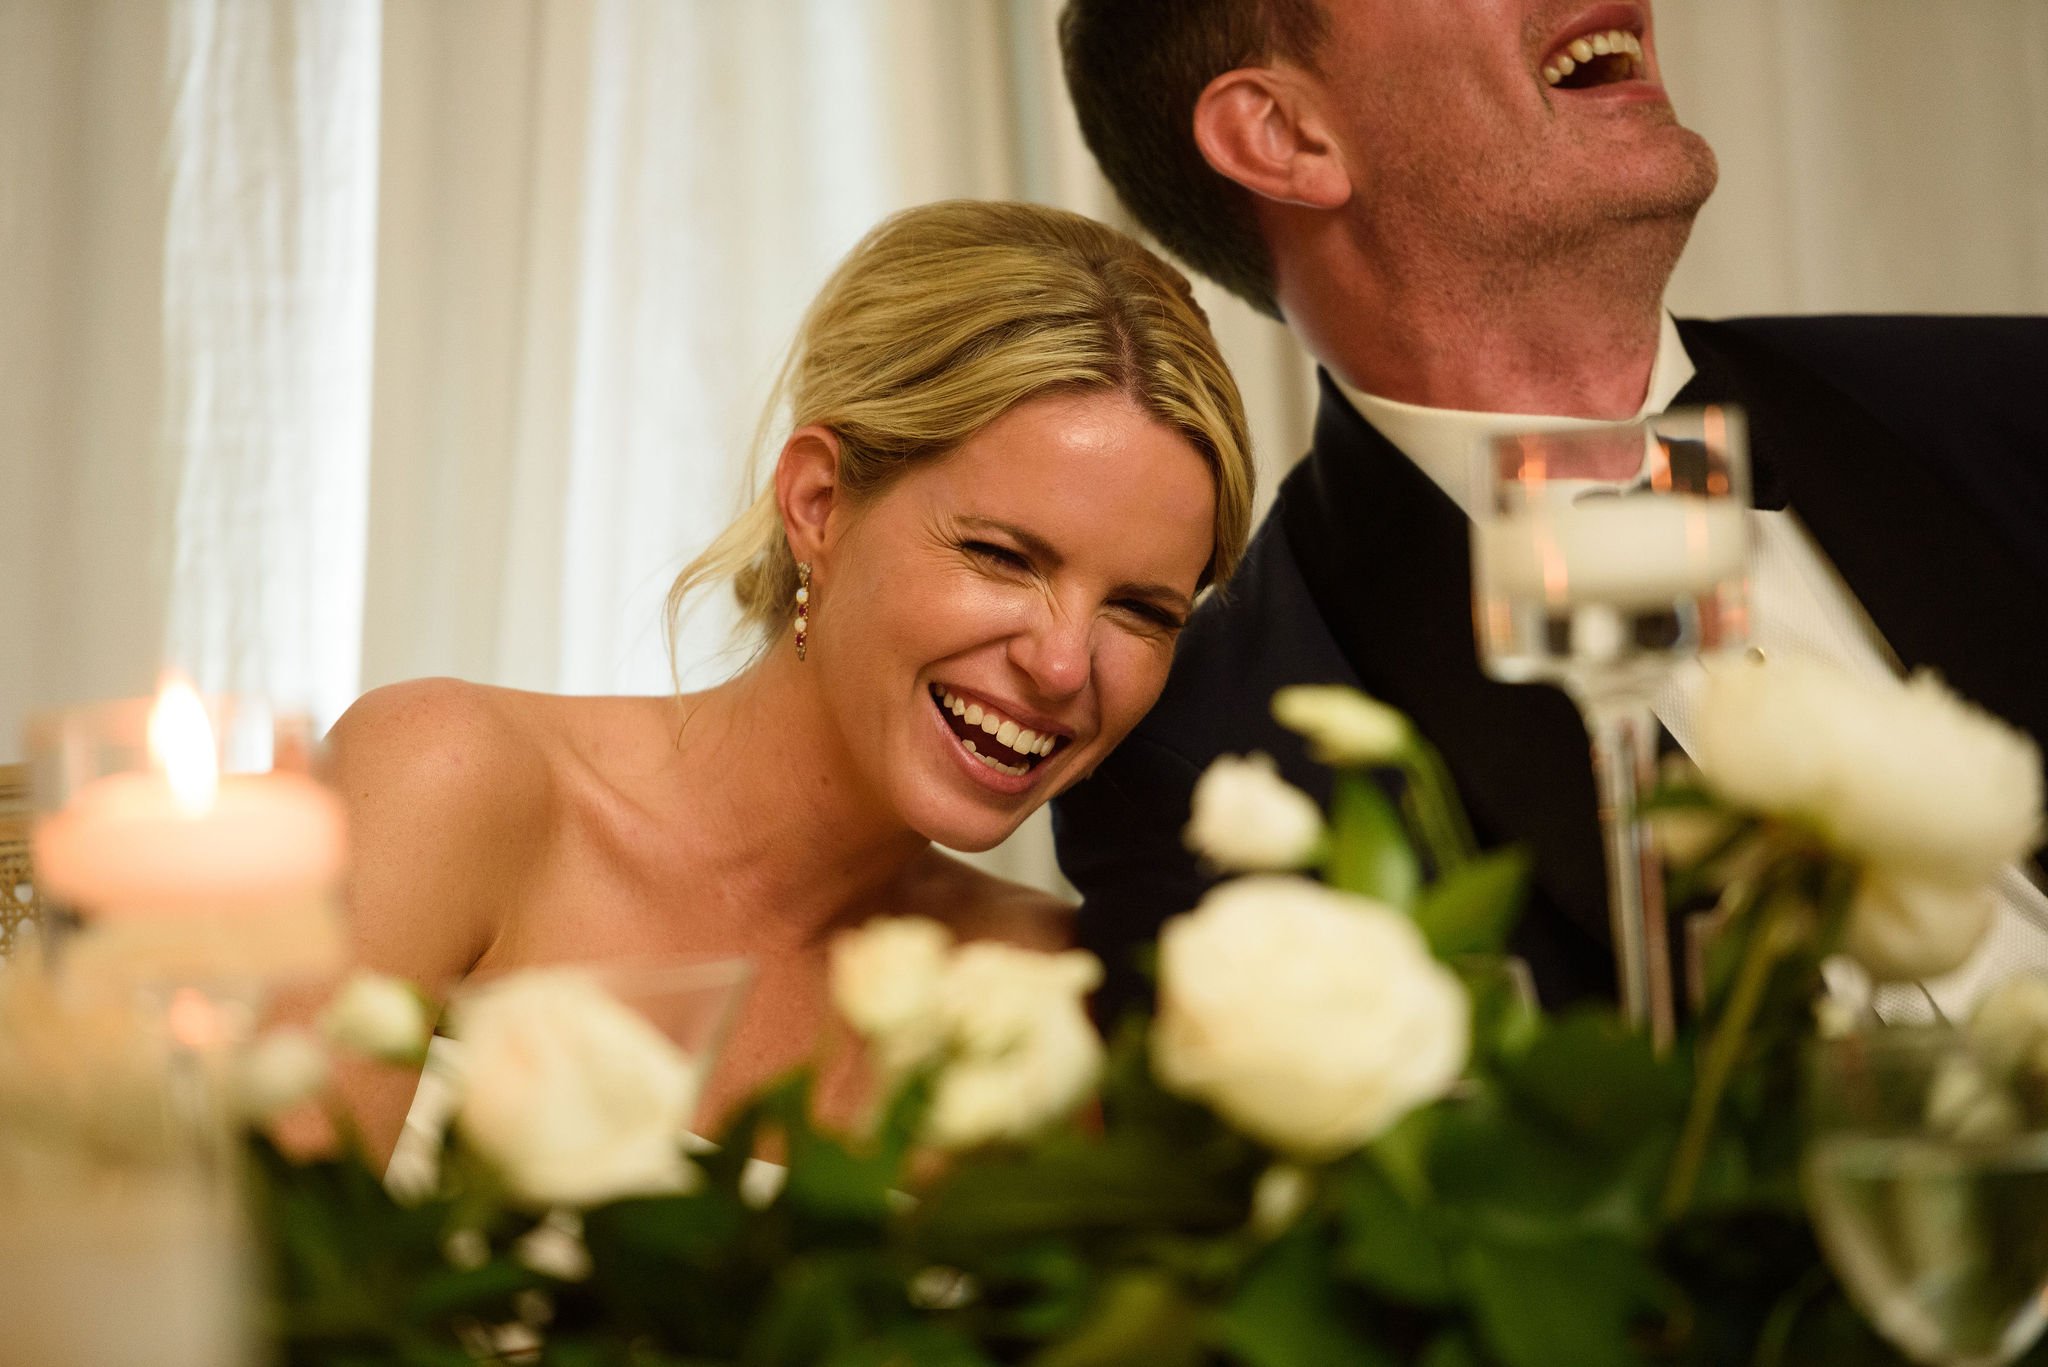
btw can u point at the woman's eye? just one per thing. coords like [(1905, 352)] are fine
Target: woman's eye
[(1152, 614), (999, 555)]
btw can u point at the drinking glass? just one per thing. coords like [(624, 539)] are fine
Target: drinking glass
[(1605, 556), (230, 903), (1926, 1172), (122, 1237)]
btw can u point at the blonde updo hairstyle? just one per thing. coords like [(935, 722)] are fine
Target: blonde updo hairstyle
[(947, 316)]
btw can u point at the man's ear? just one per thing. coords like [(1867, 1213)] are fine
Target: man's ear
[(807, 489), (1258, 126)]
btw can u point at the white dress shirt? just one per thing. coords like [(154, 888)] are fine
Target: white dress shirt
[(1799, 607)]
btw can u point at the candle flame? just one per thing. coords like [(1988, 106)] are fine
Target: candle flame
[(181, 741)]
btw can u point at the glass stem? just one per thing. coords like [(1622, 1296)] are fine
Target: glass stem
[(1624, 765)]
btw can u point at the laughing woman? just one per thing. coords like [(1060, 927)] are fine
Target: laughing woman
[(1014, 457)]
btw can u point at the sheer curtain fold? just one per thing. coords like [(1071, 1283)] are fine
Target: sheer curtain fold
[(353, 340), (268, 277)]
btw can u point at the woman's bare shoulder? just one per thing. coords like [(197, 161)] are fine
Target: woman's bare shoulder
[(448, 787), (979, 905), (457, 751)]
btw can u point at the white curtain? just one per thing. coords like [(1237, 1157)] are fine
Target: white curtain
[(352, 340)]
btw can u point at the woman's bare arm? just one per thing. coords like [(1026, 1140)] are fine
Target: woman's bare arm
[(448, 808)]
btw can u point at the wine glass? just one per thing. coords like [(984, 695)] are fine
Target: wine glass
[(1604, 556), (1927, 1178)]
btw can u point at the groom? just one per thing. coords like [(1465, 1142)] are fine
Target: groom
[(1469, 210)]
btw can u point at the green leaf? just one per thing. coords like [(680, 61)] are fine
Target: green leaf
[(1576, 1302), (1506, 1019), (1043, 1290), (681, 1229), (829, 1181), (1369, 850), (914, 1345), (814, 1314), (1402, 1154), (1600, 1080), (1471, 909), (1397, 1248), (1134, 1179), (1287, 1312), (480, 1290), (1140, 1320), (1452, 1350), (1510, 1173)]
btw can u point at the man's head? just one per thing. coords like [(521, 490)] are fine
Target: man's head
[(1136, 69), (1408, 130)]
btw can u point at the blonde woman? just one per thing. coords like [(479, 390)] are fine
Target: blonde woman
[(1014, 457)]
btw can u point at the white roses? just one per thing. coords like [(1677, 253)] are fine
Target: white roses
[(1931, 794), (575, 1098), (381, 1016), (1344, 727), (1311, 1019), (1246, 818), (1006, 1027)]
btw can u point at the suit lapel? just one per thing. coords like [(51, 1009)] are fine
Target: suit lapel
[(1945, 588), (1385, 555)]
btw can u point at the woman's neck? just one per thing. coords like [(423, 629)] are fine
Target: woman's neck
[(786, 824)]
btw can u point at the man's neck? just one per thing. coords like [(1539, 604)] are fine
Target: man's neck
[(1574, 334)]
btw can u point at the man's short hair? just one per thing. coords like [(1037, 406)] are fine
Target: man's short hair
[(1135, 69)]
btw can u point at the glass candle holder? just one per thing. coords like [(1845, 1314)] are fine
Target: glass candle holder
[(189, 840)]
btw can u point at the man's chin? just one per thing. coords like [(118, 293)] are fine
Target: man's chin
[(1670, 181)]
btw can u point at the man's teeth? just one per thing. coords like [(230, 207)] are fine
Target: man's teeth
[(1022, 739), (1614, 42)]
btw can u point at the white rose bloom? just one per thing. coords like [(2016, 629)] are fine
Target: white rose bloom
[(886, 981), (574, 1097), (1311, 1019), (2010, 1024), (1024, 1050), (1247, 818), (282, 1068), (1343, 725), (1903, 928), (1907, 775), (380, 1016)]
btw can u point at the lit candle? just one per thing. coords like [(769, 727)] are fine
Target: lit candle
[(1636, 552), (259, 855)]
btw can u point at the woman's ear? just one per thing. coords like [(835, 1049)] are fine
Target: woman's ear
[(1260, 127), (807, 489)]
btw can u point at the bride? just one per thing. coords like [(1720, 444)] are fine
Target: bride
[(1014, 458)]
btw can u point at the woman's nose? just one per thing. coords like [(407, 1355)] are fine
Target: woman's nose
[(1056, 652)]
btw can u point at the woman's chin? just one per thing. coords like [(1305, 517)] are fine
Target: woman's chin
[(969, 837)]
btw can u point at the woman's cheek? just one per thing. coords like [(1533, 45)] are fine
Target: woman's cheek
[(1130, 672)]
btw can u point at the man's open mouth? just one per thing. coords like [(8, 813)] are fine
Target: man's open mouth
[(1593, 59), (996, 740)]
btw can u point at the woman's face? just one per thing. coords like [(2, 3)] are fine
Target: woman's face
[(991, 624)]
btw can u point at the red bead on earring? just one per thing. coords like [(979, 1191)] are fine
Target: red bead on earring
[(803, 604)]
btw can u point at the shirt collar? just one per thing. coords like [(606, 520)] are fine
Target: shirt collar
[(1441, 441)]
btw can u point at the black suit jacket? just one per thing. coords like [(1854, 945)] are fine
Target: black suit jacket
[(1914, 449)]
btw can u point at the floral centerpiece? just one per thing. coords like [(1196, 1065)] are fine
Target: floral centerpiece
[(1348, 1135)]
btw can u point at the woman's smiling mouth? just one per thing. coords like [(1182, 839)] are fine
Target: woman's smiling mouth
[(999, 742)]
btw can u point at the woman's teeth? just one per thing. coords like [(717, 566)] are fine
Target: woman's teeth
[(1581, 52), (1021, 741)]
